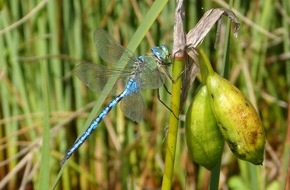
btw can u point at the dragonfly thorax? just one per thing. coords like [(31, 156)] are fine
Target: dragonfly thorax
[(149, 60), (132, 86)]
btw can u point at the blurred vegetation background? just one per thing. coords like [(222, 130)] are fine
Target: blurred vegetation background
[(42, 41)]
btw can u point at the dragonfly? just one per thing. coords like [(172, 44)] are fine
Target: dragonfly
[(143, 72)]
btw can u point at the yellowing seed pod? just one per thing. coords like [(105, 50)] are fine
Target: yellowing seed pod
[(204, 141), (237, 119)]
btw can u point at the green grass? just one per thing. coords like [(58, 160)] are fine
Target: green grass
[(44, 108)]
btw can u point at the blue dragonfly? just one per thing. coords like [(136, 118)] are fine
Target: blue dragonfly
[(140, 72)]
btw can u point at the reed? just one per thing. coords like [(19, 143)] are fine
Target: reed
[(44, 107)]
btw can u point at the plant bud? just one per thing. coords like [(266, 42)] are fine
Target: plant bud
[(204, 140), (237, 120)]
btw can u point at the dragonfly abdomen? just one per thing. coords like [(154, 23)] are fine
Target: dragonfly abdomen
[(131, 87)]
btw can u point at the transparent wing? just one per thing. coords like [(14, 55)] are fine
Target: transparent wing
[(95, 76), (152, 79), (109, 50), (133, 106), (148, 73)]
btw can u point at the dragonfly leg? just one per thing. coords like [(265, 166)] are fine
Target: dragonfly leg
[(169, 75), (166, 89), (158, 96), (193, 56)]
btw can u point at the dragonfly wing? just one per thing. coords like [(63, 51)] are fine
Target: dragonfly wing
[(109, 50), (149, 75), (95, 76), (152, 79), (133, 106)]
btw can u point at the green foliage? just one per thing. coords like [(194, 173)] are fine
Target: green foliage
[(43, 107)]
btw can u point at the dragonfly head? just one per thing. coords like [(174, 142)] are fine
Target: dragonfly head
[(162, 54)]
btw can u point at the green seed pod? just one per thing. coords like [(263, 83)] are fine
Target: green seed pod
[(204, 141), (237, 119)]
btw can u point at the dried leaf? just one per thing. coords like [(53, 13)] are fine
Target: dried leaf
[(196, 35), (178, 33)]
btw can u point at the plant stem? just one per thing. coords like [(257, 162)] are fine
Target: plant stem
[(173, 125), (44, 176), (205, 64), (215, 176)]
